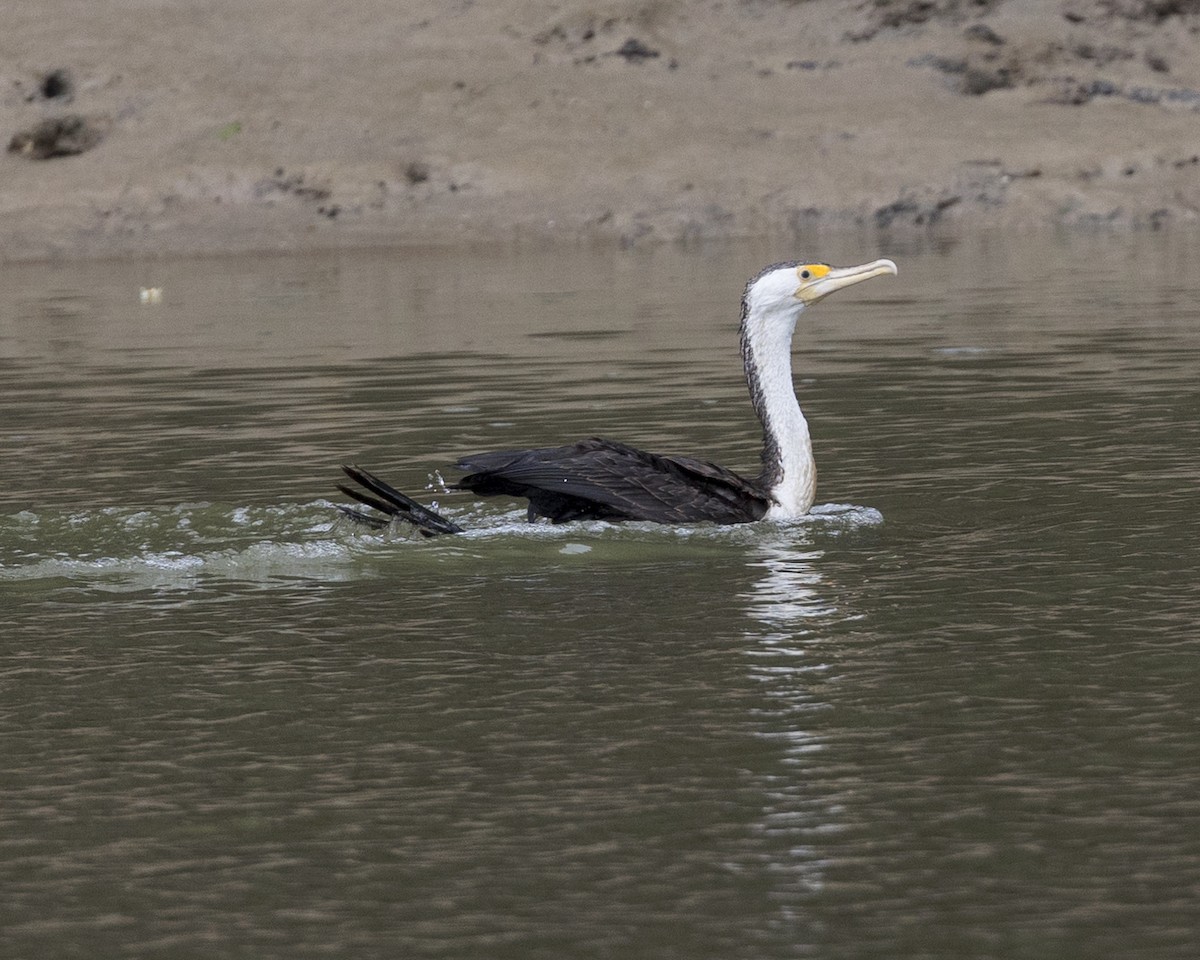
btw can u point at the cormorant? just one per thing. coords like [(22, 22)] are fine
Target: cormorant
[(597, 479)]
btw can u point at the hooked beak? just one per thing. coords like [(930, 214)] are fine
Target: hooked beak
[(839, 277)]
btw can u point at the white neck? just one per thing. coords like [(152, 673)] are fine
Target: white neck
[(789, 472)]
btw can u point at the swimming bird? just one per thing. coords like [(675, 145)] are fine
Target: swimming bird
[(597, 479)]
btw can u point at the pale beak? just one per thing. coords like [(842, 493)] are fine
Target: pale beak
[(839, 277)]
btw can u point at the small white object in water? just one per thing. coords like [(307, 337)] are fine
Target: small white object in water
[(576, 548), (150, 295)]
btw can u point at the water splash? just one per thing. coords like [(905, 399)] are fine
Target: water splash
[(138, 546), (132, 547)]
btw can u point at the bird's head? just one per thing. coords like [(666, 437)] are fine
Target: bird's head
[(789, 287)]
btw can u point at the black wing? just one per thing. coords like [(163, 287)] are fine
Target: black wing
[(598, 479)]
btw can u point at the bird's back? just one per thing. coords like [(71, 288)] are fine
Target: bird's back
[(599, 479)]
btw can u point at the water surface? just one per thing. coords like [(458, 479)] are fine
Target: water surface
[(952, 714)]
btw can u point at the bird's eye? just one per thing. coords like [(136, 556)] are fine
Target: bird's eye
[(805, 274)]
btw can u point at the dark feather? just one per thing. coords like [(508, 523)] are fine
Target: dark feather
[(599, 479), (388, 500), (366, 519)]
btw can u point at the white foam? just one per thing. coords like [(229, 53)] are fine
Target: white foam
[(131, 548)]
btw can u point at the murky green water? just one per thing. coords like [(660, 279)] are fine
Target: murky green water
[(954, 714)]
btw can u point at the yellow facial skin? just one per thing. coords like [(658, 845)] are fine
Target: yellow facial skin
[(818, 280), (812, 271)]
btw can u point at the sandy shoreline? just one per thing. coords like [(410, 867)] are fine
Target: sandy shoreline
[(308, 125)]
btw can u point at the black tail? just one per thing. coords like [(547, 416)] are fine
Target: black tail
[(391, 502)]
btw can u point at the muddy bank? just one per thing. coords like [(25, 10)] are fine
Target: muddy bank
[(145, 128)]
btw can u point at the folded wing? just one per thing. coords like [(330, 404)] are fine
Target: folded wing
[(599, 479)]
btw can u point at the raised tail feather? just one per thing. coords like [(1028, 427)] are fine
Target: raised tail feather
[(389, 501)]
